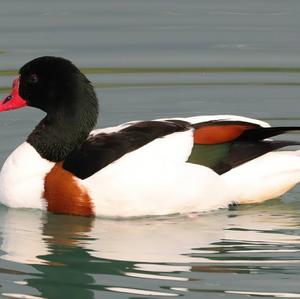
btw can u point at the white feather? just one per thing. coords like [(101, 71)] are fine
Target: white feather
[(192, 120), (155, 180), (109, 130), (22, 178), (205, 118), (265, 177)]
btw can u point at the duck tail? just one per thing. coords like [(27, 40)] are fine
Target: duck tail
[(266, 177)]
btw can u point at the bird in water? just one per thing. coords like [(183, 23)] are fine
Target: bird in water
[(140, 168)]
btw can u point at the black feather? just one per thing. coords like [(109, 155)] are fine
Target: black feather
[(263, 133), (102, 149), (242, 152)]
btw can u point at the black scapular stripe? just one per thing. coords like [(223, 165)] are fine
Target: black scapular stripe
[(242, 152), (263, 133), (252, 144), (102, 149)]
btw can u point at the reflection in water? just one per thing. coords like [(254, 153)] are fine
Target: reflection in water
[(154, 257), (65, 263)]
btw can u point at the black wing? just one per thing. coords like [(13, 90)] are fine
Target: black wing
[(102, 149)]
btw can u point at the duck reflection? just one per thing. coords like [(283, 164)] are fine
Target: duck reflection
[(79, 256), (37, 238)]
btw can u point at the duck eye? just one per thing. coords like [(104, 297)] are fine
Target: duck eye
[(33, 78)]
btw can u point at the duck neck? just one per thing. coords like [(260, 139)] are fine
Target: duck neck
[(62, 131)]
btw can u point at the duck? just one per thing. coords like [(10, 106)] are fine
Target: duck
[(165, 166)]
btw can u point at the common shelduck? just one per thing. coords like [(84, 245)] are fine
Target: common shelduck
[(157, 167)]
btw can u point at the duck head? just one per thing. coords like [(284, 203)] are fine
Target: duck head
[(56, 86), (51, 84)]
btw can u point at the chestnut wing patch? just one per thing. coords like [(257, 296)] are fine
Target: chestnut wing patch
[(216, 132), (102, 149)]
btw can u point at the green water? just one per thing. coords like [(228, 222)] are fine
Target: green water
[(150, 59)]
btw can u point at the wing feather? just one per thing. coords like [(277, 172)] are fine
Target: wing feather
[(102, 149), (225, 144)]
